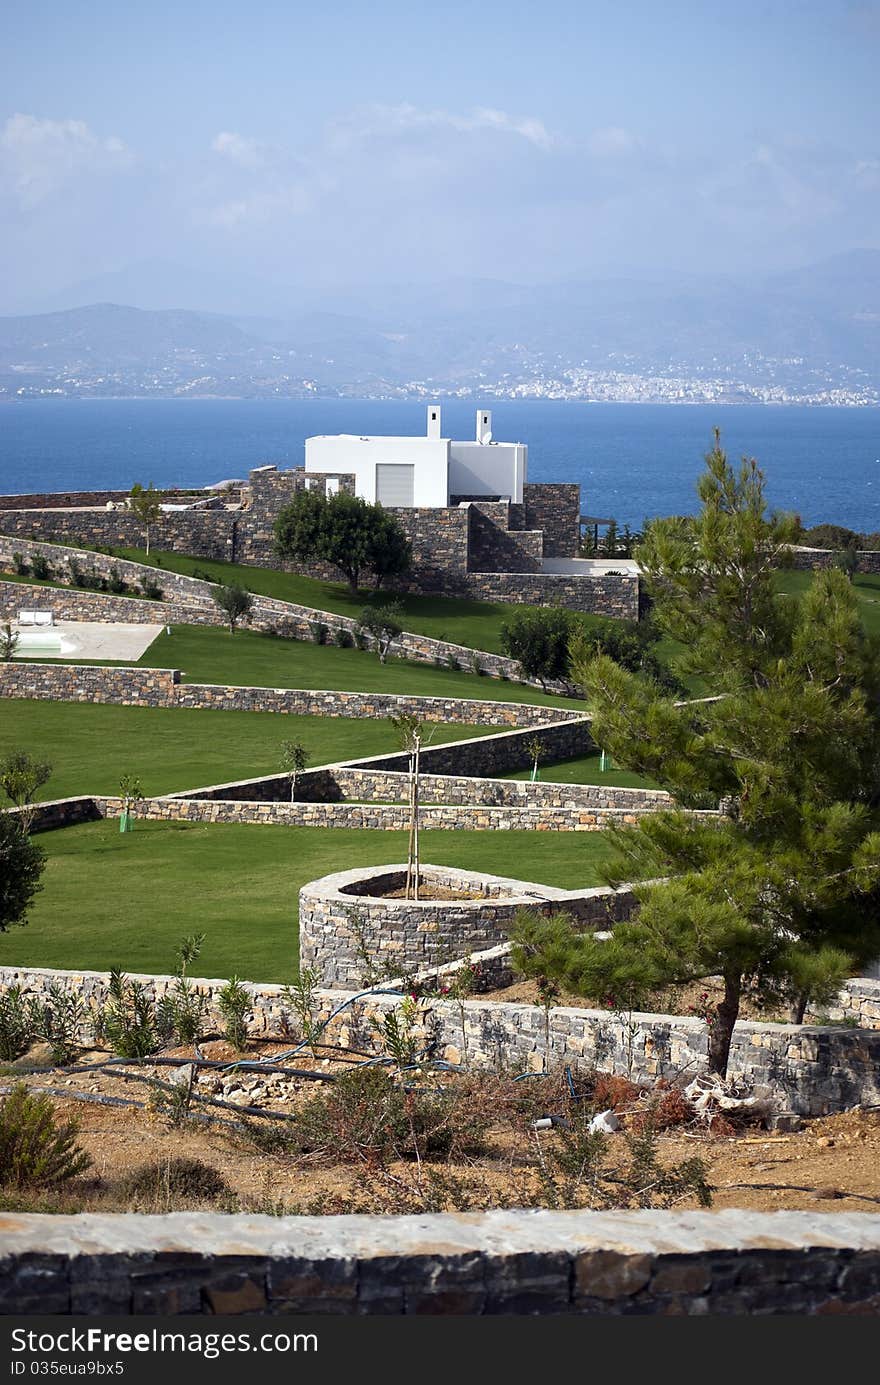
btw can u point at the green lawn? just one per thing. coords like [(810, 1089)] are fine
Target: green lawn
[(91, 745), (475, 624), (126, 900), (208, 654), (865, 585), (584, 769)]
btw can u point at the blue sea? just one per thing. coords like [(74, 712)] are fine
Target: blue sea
[(630, 460)]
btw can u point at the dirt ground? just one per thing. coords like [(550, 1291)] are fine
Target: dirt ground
[(832, 1163)]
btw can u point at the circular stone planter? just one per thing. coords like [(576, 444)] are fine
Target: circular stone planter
[(347, 924)]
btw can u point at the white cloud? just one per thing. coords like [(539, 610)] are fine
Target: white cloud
[(388, 121), (37, 157), (246, 153)]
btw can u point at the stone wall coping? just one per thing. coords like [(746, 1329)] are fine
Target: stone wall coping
[(444, 1235), (332, 887)]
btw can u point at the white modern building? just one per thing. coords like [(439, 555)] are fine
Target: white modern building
[(427, 471)]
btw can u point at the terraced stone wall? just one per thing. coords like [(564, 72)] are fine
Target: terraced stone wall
[(809, 1069)]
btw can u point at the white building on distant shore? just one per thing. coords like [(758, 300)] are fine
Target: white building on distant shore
[(425, 471)]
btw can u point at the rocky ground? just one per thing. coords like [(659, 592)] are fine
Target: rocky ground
[(829, 1162)]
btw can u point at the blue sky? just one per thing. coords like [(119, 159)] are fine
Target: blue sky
[(325, 145)]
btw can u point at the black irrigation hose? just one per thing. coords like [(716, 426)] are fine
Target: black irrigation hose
[(90, 1097), (202, 1063)]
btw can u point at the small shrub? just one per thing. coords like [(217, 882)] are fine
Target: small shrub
[(150, 588), (234, 1004), (439, 661), (75, 574), (165, 1180), (365, 1115), (476, 666), (300, 999), (40, 566), (360, 639), (58, 1021), (128, 1021), (180, 1013), (342, 638), (19, 565), (116, 583), (202, 575), (395, 1029), (16, 1025), (452, 662), (318, 631), (35, 1152)]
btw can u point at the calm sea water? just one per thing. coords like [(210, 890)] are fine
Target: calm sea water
[(630, 460)]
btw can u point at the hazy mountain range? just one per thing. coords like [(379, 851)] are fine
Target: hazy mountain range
[(812, 333)]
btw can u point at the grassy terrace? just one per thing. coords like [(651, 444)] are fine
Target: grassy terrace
[(126, 900), (476, 624), (90, 746), (209, 654), (584, 769)]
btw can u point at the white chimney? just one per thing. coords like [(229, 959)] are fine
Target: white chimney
[(484, 425), (433, 420)]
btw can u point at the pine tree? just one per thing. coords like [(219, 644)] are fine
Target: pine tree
[(779, 894)]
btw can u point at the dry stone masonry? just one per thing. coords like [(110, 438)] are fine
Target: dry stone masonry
[(514, 1262)]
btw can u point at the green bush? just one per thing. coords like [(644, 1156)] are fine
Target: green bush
[(116, 583), (830, 536), (16, 1025), (35, 1152), (128, 1021), (150, 588), (40, 566), (234, 1003)]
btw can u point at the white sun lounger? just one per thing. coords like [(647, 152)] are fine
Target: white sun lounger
[(36, 618)]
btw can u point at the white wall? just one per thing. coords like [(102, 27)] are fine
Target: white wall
[(495, 468), (345, 452)]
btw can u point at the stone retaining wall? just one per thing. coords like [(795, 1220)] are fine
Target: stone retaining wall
[(162, 688), (200, 533), (76, 605), (860, 1001), (817, 558), (345, 925), (189, 600), (129, 687), (62, 812), (608, 595), (298, 702), (728, 1263), (381, 817), (440, 539), (344, 782), (812, 1070)]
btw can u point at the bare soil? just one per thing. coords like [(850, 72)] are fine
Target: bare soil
[(833, 1163), (693, 1001)]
